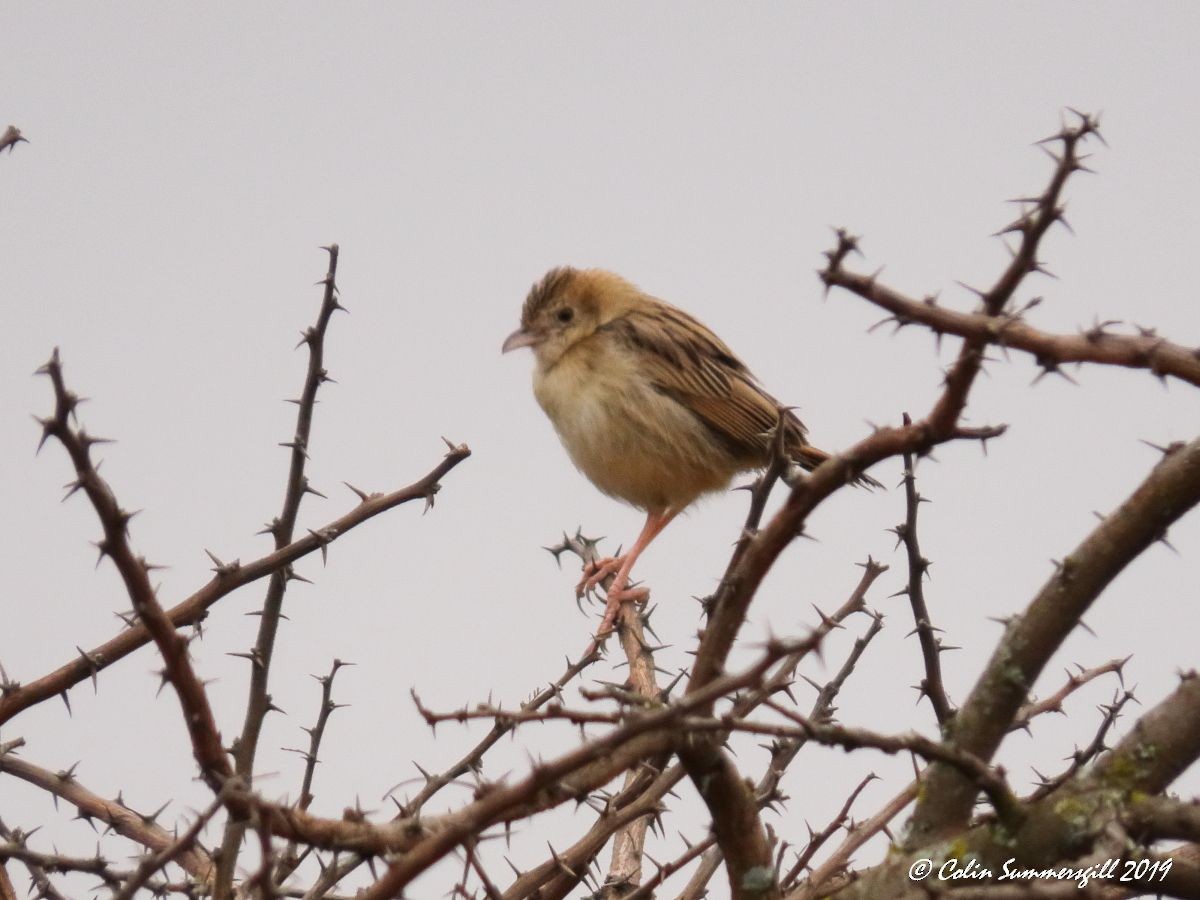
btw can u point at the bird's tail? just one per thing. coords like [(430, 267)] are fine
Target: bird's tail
[(809, 457)]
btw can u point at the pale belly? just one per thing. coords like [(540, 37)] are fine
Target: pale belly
[(632, 442)]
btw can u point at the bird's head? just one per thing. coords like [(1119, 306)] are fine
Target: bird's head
[(567, 306)]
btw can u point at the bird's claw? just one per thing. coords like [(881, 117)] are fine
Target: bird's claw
[(595, 572), (612, 607)]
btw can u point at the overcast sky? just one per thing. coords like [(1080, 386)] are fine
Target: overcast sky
[(162, 228)]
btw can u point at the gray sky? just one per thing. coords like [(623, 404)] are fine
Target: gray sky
[(161, 227)]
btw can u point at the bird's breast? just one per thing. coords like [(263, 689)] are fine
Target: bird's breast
[(631, 440)]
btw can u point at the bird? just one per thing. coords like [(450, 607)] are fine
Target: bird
[(649, 403)]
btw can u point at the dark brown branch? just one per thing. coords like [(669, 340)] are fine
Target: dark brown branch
[(135, 573), (734, 809), (753, 560), (736, 591), (932, 686), (666, 870), (7, 890), (317, 732), (489, 887), (732, 802), (989, 780), (1144, 350), (473, 759)]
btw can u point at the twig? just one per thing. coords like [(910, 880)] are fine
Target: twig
[(290, 860), (1162, 744), (1075, 680), (817, 839), (932, 686), (258, 703), (1080, 758), (859, 835)]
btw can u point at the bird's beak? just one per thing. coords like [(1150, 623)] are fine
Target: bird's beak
[(517, 340)]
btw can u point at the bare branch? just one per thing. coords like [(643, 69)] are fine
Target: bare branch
[(1075, 680), (932, 686), (290, 860), (123, 820), (1097, 344), (135, 573), (258, 702)]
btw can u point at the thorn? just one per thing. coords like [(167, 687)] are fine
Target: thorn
[(363, 496)]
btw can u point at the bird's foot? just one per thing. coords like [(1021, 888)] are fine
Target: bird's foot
[(612, 608), (595, 572)]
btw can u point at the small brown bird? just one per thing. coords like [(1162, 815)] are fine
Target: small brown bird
[(652, 406)]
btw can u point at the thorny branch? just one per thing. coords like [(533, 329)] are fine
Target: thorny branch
[(281, 529), (141, 828), (932, 686), (135, 573), (1098, 344), (1075, 680), (316, 733), (1115, 795)]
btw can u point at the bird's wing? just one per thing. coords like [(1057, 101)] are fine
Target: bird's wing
[(692, 365)]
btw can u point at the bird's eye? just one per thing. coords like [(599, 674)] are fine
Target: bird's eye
[(565, 315)]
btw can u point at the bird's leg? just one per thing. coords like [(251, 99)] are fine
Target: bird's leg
[(596, 571), (618, 592)]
